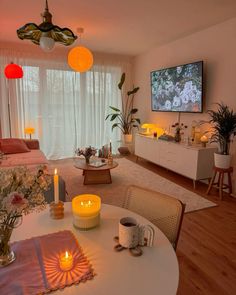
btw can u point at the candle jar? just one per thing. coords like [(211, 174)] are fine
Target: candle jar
[(86, 211), (66, 261)]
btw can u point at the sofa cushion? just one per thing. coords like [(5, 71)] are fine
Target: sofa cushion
[(13, 146)]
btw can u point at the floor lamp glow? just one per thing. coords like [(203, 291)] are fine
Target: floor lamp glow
[(12, 71)]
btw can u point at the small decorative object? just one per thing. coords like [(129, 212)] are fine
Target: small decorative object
[(86, 211), (66, 261), (178, 128), (29, 131), (88, 152), (148, 128), (136, 251), (57, 210), (109, 159), (110, 147), (155, 134), (204, 140), (21, 192)]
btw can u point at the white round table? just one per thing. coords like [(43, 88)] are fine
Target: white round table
[(155, 272)]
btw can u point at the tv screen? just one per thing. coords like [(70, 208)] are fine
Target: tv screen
[(178, 89)]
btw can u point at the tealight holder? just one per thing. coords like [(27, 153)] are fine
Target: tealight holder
[(57, 210), (66, 261), (109, 159), (86, 211)]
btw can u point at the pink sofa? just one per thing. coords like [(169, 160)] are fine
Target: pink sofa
[(32, 156)]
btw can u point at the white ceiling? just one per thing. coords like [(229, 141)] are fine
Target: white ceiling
[(124, 26)]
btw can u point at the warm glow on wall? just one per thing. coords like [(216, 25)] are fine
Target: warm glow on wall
[(80, 59)]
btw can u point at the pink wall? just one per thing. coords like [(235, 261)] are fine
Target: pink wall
[(216, 46)]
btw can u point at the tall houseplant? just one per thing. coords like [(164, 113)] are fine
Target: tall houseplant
[(223, 121), (125, 118)]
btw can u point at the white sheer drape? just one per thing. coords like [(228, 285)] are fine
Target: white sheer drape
[(67, 109)]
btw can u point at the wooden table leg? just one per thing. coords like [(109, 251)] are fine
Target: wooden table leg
[(211, 183), (221, 179)]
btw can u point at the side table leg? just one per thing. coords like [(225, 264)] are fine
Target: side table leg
[(221, 179), (211, 183)]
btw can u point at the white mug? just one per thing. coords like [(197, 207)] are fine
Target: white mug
[(131, 234)]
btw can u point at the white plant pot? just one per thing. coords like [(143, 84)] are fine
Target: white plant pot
[(222, 161), (128, 138)]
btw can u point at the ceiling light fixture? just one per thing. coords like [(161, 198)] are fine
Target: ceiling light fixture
[(80, 58), (46, 34)]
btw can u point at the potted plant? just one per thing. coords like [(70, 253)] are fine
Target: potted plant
[(223, 121), (125, 118)]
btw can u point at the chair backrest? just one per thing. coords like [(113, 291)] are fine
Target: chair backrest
[(162, 210)]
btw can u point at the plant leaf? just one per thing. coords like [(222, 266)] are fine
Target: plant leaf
[(122, 80), (114, 109), (135, 90), (133, 111), (107, 116), (113, 126), (114, 116)]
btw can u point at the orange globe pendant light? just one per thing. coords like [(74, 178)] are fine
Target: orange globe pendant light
[(80, 59), (13, 71)]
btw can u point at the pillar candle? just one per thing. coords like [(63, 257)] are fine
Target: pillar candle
[(56, 188)]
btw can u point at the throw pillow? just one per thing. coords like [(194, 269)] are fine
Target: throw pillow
[(13, 146)]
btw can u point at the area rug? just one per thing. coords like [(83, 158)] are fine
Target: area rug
[(127, 173)]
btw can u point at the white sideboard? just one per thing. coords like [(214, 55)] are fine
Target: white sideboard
[(194, 162)]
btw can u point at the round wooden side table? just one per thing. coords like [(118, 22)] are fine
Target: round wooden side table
[(219, 184)]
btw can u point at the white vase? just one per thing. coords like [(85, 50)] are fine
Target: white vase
[(222, 161)]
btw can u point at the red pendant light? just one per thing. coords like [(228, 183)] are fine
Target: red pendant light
[(13, 71)]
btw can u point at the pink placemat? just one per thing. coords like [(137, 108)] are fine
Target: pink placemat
[(36, 269)]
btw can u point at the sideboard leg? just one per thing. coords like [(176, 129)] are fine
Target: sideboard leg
[(194, 184)]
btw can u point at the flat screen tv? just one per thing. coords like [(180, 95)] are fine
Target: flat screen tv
[(178, 89)]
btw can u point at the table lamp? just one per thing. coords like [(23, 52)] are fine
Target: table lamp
[(86, 211), (30, 131), (147, 126)]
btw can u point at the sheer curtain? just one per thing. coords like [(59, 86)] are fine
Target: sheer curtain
[(67, 109)]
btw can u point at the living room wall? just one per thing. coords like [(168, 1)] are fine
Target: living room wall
[(216, 46)]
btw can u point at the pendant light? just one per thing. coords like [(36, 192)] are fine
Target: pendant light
[(80, 58), (46, 34)]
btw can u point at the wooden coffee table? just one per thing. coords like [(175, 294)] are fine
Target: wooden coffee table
[(95, 175)]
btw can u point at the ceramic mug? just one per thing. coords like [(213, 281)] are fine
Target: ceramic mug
[(131, 234)]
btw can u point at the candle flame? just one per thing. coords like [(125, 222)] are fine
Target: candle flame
[(66, 255), (55, 171)]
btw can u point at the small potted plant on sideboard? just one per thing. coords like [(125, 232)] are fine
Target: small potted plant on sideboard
[(223, 122)]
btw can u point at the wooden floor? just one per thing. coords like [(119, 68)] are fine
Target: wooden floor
[(207, 245)]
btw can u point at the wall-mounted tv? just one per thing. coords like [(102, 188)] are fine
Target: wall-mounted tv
[(178, 89)]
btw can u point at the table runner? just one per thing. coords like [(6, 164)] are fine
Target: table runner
[(36, 268)]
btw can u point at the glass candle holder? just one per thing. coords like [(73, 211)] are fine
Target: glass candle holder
[(66, 261)]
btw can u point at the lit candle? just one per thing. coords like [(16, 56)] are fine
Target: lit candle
[(86, 205), (66, 261), (110, 147), (56, 188), (86, 211)]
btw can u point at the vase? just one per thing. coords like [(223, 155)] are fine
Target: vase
[(177, 136), (87, 160), (7, 256)]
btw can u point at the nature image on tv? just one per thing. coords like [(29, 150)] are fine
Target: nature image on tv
[(177, 89)]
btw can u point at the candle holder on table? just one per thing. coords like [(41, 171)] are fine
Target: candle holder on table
[(57, 210)]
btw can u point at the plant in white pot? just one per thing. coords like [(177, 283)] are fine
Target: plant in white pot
[(125, 118), (223, 121)]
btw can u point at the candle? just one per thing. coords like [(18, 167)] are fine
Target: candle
[(86, 205), (86, 211), (66, 261), (110, 147), (56, 188)]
